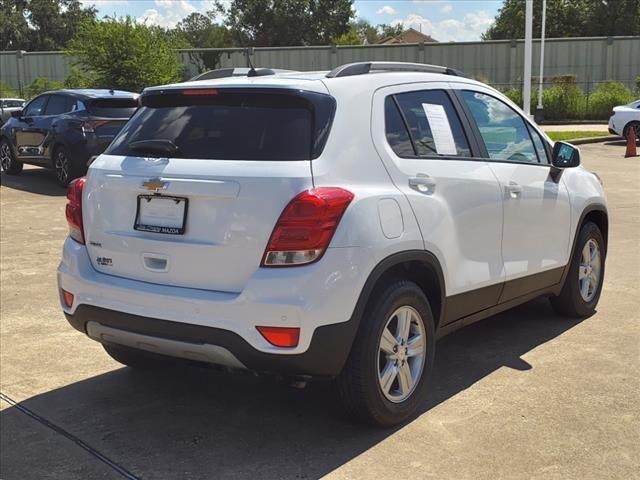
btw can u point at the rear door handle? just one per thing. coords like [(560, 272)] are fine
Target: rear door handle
[(513, 190), (422, 183)]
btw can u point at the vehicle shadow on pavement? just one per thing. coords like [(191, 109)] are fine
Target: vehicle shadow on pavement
[(35, 180), (201, 423)]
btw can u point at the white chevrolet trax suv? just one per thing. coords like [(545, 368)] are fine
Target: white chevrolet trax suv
[(321, 225)]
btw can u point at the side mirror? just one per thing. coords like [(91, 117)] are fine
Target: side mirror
[(565, 155), (16, 113)]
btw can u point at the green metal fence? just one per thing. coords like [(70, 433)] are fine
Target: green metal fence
[(591, 60)]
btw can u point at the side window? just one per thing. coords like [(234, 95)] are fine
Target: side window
[(504, 131), (433, 124), (59, 104), (396, 131), (36, 107), (539, 143)]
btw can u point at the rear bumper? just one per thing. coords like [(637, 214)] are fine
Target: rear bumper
[(319, 299), (325, 356)]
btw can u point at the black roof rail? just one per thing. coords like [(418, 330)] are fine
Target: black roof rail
[(362, 68), (237, 72)]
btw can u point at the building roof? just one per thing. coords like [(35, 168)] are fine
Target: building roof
[(408, 36)]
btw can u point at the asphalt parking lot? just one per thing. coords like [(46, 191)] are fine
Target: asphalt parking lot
[(525, 394)]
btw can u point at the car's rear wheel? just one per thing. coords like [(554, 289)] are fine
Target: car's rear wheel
[(636, 128), (138, 359), (65, 168), (583, 285), (9, 164), (385, 378)]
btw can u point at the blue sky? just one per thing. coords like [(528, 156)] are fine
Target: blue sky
[(444, 20)]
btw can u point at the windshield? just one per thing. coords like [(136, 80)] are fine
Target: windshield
[(113, 107), (232, 124)]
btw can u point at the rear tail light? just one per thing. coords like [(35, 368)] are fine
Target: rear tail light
[(89, 126), (286, 337), (305, 227), (200, 92), (73, 209), (67, 298)]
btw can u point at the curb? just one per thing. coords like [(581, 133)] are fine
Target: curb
[(582, 141)]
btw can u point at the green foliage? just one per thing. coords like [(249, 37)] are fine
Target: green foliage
[(278, 23), (200, 31), (78, 78), (568, 18), (563, 101), (352, 37), (606, 96), (515, 95), (124, 54), (638, 86), (7, 91), (565, 136), (40, 24), (42, 84)]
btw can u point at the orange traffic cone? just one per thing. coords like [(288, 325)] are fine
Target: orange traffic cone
[(631, 143)]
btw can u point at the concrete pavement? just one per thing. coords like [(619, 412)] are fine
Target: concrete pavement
[(525, 394)]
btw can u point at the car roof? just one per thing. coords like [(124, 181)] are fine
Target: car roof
[(318, 81), (90, 93)]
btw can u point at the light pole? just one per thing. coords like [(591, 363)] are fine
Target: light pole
[(544, 20), (528, 34)]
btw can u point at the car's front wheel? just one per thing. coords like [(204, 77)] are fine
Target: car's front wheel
[(635, 126), (385, 378), (9, 164), (583, 284)]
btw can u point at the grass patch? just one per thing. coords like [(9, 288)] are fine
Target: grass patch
[(567, 136)]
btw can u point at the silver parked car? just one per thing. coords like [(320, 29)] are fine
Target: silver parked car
[(8, 105)]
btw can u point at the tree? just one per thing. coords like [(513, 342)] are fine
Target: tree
[(277, 23), (568, 18), (40, 24), (200, 31), (42, 84), (121, 53)]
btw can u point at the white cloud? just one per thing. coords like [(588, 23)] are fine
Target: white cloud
[(167, 13), (387, 10), (446, 8), (468, 29)]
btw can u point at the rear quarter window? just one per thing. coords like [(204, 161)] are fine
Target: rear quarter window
[(232, 124)]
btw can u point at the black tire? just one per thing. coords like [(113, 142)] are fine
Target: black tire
[(636, 128), (65, 167), (358, 384), (138, 359), (8, 161), (570, 301)]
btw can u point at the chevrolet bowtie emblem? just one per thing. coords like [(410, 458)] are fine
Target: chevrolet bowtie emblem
[(155, 184)]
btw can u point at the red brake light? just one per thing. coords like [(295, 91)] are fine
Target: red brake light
[(200, 91), (281, 336), (89, 126), (73, 209), (305, 227)]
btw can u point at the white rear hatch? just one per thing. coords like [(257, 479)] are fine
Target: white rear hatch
[(220, 163)]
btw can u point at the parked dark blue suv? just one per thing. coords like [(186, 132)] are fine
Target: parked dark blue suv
[(63, 129)]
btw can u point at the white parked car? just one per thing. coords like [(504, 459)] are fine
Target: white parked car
[(9, 105), (625, 117), (326, 225)]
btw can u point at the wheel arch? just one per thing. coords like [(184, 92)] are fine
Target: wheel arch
[(627, 125)]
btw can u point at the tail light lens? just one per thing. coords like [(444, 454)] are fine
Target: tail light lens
[(73, 209), (305, 227)]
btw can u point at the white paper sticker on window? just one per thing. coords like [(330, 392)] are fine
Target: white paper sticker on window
[(440, 129)]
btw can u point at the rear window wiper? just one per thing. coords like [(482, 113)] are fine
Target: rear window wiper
[(161, 147)]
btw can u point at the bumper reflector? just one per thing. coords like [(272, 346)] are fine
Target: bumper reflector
[(67, 298), (286, 337)]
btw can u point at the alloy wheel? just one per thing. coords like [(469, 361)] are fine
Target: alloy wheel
[(401, 354), (62, 166), (589, 270), (5, 156)]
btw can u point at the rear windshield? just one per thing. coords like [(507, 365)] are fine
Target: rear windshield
[(113, 107), (232, 124)]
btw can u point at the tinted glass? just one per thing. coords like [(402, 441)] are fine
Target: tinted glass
[(113, 107), (396, 131), (12, 103), (434, 124), (59, 104), (232, 125), (539, 144), (504, 132), (36, 107)]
